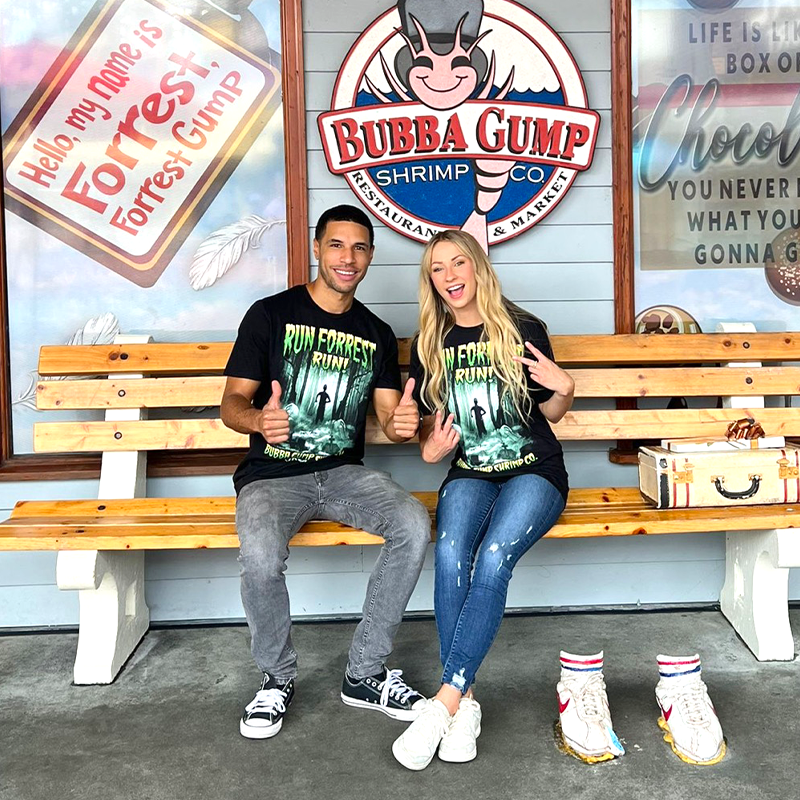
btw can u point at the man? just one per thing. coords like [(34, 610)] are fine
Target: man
[(293, 350), (323, 399), (479, 413)]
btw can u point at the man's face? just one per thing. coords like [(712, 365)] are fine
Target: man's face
[(343, 255)]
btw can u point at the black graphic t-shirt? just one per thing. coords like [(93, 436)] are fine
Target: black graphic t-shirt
[(495, 442), (327, 365)]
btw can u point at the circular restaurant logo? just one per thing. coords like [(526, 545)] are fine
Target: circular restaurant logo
[(464, 114)]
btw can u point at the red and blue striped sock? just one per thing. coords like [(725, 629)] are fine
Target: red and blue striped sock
[(678, 666), (574, 665)]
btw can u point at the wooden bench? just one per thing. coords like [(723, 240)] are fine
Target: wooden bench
[(101, 541)]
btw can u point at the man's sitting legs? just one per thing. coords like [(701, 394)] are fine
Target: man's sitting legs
[(372, 501), (268, 513)]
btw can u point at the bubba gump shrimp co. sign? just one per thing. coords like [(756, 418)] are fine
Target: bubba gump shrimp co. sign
[(463, 114)]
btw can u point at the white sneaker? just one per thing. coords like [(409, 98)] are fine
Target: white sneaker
[(688, 717), (417, 745), (459, 743), (584, 715)]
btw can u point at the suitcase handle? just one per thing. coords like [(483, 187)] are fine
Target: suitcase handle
[(755, 483)]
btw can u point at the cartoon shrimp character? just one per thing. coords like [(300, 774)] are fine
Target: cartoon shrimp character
[(442, 67)]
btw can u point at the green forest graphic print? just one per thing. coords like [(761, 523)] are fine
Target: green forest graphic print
[(325, 379), (493, 437)]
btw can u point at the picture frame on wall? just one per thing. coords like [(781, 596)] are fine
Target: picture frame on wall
[(714, 154), (154, 167)]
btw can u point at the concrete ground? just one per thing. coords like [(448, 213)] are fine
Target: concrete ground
[(167, 728)]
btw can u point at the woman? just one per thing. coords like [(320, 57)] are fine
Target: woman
[(487, 386)]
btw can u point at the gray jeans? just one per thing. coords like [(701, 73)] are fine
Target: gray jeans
[(269, 512)]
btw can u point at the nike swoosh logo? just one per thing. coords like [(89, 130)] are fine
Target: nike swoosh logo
[(562, 707), (667, 712)]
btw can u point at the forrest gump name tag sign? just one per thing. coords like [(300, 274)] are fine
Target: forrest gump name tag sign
[(133, 131)]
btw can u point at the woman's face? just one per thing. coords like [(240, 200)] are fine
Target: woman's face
[(453, 276)]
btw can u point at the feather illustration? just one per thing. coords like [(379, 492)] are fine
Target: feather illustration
[(223, 249), (98, 330), (26, 398)]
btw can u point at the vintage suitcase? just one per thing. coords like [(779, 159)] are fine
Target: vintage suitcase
[(743, 477)]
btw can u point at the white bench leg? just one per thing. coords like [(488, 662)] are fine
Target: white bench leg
[(114, 616), (755, 597)]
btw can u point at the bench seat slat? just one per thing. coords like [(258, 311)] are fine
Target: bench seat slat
[(201, 506), (79, 526)]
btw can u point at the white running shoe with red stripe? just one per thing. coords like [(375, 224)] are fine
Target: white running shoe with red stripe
[(585, 719), (688, 717)]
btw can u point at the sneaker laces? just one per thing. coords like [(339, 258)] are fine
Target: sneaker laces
[(464, 720), (394, 686), (590, 697), (431, 725), (267, 700), (694, 704)]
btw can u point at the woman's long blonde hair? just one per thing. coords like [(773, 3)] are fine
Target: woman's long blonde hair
[(500, 327)]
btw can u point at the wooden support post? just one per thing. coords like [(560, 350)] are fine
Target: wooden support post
[(740, 402)]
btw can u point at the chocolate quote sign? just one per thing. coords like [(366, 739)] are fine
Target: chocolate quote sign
[(717, 157), (133, 131)]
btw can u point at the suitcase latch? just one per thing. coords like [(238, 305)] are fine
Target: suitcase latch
[(686, 475), (785, 471)]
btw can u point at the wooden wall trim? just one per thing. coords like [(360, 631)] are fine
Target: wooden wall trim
[(622, 165), (5, 366), (294, 136)]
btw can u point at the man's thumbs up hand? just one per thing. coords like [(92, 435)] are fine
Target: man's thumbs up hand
[(406, 414), (274, 402), (408, 392), (274, 419)]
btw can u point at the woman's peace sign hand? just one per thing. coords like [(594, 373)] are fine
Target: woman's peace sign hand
[(546, 372)]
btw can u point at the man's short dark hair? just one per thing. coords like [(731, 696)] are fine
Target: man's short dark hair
[(344, 213)]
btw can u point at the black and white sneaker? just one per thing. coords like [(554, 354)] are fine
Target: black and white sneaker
[(386, 692), (263, 716)]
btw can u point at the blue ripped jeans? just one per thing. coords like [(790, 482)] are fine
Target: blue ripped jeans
[(483, 529)]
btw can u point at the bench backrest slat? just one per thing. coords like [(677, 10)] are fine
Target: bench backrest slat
[(696, 348), (105, 393), (200, 434), (122, 436), (693, 382), (199, 358), (161, 434), (187, 376), (672, 423), (210, 357), (191, 392)]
